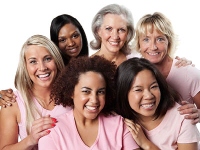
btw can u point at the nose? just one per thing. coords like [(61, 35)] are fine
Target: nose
[(94, 98), (115, 34), (42, 66), (148, 94), (153, 45), (70, 42)]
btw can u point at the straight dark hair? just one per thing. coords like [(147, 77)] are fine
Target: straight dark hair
[(125, 76)]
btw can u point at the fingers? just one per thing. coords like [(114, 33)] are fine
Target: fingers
[(7, 97), (41, 127), (182, 62), (187, 108)]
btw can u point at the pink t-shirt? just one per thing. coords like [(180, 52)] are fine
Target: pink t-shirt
[(185, 80), (58, 110), (172, 130), (112, 135)]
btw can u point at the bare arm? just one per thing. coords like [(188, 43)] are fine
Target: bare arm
[(9, 130), (188, 146)]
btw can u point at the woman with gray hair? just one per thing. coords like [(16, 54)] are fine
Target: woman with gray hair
[(113, 29)]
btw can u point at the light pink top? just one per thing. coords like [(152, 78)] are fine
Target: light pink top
[(172, 130), (185, 80), (58, 110), (112, 135)]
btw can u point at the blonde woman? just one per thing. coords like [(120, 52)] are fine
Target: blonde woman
[(39, 64)]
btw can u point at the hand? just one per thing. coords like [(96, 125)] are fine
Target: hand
[(183, 62), (40, 128), (138, 134), (191, 112), (7, 97)]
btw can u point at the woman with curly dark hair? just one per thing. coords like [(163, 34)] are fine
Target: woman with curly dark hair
[(87, 85)]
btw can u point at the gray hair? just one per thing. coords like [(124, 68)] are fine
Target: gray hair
[(98, 20)]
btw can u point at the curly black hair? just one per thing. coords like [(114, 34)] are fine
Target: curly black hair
[(63, 88)]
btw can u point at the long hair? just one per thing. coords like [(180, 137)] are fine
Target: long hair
[(23, 82), (57, 23)]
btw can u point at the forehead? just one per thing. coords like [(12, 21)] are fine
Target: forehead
[(114, 20), (149, 27), (67, 28), (91, 78), (36, 50)]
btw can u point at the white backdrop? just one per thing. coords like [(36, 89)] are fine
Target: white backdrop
[(21, 19)]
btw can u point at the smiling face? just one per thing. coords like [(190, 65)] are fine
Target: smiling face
[(113, 32), (144, 95), (154, 46), (40, 65), (70, 40), (89, 95)]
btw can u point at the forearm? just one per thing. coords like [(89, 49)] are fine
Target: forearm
[(24, 144), (149, 146)]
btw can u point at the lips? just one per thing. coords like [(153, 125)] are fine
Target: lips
[(153, 54), (43, 75), (91, 107), (148, 106)]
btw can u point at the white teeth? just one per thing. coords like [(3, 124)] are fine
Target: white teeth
[(153, 54), (147, 105), (43, 75), (114, 43), (91, 107)]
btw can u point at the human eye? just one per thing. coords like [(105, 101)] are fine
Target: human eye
[(76, 35), (102, 92), (32, 61), (61, 40), (137, 89), (154, 86), (146, 39), (108, 28), (48, 59), (122, 30), (85, 91)]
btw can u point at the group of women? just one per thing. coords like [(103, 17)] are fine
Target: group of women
[(67, 100)]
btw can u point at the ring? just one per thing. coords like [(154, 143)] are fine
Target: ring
[(1, 96)]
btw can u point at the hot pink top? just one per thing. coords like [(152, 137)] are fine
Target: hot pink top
[(112, 135)]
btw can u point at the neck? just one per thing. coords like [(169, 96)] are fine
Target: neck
[(117, 57), (42, 95), (165, 66), (82, 121)]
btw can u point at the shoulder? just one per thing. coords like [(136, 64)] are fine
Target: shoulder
[(112, 120)]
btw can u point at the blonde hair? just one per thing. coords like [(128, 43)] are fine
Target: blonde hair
[(159, 22), (23, 82)]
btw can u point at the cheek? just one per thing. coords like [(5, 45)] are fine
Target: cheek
[(79, 42), (62, 46), (123, 36), (133, 101), (143, 46)]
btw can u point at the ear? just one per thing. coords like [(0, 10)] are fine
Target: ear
[(72, 96)]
